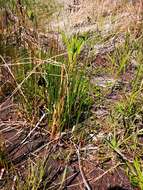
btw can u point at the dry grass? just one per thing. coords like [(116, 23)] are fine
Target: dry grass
[(88, 15)]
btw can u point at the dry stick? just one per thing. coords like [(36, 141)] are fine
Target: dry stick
[(10, 139), (2, 173), (122, 156), (81, 171), (58, 109), (13, 184), (44, 61), (6, 107), (71, 178), (99, 177), (34, 128), (42, 147)]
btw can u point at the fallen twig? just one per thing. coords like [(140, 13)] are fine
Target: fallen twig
[(34, 128), (81, 171)]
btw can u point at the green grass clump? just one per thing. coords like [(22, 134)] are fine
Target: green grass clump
[(121, 56), (129, 108), (55, 85), (135, 173)]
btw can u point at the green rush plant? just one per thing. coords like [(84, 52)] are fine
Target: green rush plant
[(58, 86), (135, 173), (73, 98), (121, 56), (130, 107)]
